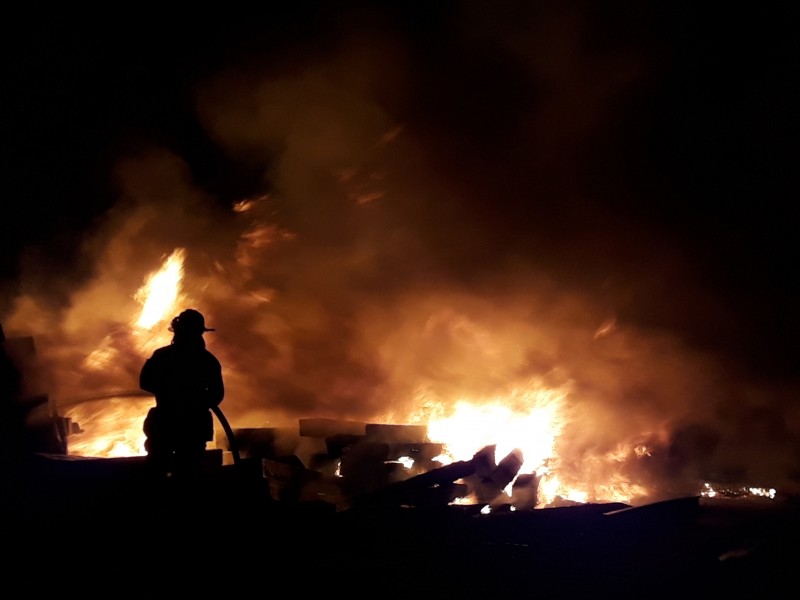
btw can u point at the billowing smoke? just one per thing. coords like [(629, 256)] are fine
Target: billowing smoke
[(401, 258)]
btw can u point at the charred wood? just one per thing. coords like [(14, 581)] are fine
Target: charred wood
[(44, 429), (525, 491), (404, 492), (337, 444), (438, 495), (421, 453), (365, 467), (287, 476), (489, 488), (402, 434), (507, 469), (263, 442), (326, 428), (484, 461)]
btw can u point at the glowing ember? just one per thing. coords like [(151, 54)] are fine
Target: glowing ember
[(406, 461), (711, 491)]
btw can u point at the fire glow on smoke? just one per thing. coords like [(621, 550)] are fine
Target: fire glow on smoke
[(112, 427), (361, 288), (527, 419)]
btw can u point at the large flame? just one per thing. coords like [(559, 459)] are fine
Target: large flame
[(108, 427), (370, 256), (159, 297), (528, 419), (160, 292), (112, 427), (588, 405)]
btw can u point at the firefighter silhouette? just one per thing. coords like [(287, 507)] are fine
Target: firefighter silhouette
[(186, 380)]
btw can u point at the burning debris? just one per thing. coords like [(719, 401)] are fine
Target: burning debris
[(387, 492), (578, 406), (355, 464), (456, 269)]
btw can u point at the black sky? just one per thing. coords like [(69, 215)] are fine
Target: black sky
[(697, 155)]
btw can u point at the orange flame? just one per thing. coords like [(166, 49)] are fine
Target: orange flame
[(531, 420), (161, 289), (112, 427)]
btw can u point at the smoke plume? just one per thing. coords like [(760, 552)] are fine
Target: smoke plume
[(420, 237)]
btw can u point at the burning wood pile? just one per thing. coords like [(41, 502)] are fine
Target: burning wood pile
[(348, 464)]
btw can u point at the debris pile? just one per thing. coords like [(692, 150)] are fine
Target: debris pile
[(349, 463)]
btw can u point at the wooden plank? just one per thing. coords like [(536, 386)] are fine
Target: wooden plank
[(404, 492), (397, 433), (325, 428), (525, 491), (507, 469), (263, 442)]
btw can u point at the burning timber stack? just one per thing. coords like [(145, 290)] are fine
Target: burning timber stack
[(363, 504), (348, 464), (336, 463)]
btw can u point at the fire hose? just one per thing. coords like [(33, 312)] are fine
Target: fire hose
[(228, 433)]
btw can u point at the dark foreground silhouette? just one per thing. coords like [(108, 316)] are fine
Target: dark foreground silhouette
[(186, 380), (105, 527)]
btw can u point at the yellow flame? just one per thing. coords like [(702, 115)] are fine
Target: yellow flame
[(113, 427), (529, 420), (109, 428), (406, 461), (160, 291)]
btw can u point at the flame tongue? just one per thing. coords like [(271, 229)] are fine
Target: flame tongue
[(533, 430), (113, 427), (160, 292)]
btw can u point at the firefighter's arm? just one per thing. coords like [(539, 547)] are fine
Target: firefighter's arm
[(148, 378)]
